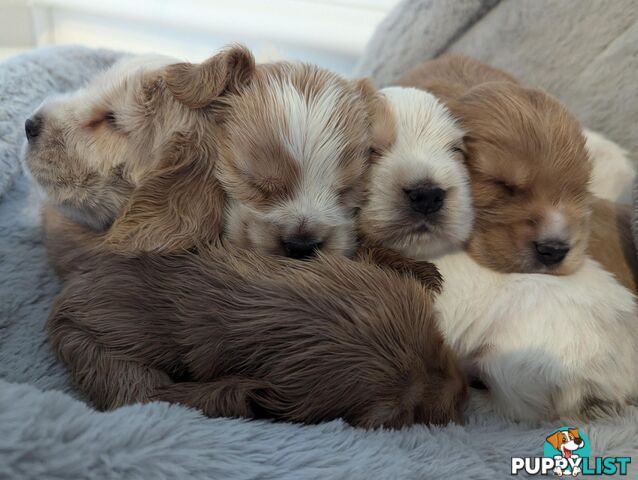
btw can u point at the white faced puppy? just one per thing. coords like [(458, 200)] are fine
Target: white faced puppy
[(420, 203), (545, 346)]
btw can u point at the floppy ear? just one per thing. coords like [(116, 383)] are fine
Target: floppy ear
[(198, 85), (180, 206), (382, 124), (554, 440), (574, 432)]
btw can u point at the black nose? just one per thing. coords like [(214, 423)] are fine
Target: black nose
[(32, 127), (551, 252), (300, 248), (426, 199), (578, 441)]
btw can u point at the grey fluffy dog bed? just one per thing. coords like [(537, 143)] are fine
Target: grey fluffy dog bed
[(47, 432)]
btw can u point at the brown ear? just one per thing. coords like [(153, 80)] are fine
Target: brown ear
[(554, 440), (574, 432), (180, 206), (382, 124), (198, 85)]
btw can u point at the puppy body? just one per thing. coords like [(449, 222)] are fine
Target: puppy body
[(257, 336), (545, 345)]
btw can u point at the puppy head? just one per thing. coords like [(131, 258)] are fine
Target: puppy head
[(297, 145), (85, 149), (529, 174), (135, 151), (419, 200)]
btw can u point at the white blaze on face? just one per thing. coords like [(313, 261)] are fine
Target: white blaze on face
[(554, 226), (312, 135)]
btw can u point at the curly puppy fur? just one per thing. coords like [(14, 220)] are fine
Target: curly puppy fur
[(528, 166), (127, 159), (297, 142), (259, 337)]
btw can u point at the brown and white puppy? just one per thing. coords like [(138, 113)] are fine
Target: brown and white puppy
[(528, 165), (296, 144), (259, 336)]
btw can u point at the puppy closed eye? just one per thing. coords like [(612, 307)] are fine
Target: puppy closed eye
[(108, 118), (506, 187), (270, 189), (459, 151)]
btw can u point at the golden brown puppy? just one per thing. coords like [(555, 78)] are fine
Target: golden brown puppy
[(125, 157), (528, 165), (259, 336)]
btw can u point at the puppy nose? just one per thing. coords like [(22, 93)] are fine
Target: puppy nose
[(551, 252), (32, 127), (301, 248), (578, 441), (426, 199)]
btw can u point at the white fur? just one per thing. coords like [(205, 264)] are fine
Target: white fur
[(543, 344), (425, 133), (613, 173)]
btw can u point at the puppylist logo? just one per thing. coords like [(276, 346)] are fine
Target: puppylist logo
[(566, 452)]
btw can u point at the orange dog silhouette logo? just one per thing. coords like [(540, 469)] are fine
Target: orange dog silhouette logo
[(567, 442)]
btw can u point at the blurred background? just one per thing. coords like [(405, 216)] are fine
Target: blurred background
[(331, 33)]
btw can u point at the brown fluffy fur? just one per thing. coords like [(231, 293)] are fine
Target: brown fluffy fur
[(258, 336), (146, 182), (527, 161)]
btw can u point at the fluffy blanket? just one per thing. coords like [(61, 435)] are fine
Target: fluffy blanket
[(47, 432)]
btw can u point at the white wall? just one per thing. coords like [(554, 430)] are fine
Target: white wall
[(332, 33)]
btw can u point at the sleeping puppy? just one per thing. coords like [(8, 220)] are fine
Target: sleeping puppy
[(259, 336), (136, 155), (544, 345), (529, 166), (118, 155)]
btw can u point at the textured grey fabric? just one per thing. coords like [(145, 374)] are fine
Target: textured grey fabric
[(585, 52), (46, 433), (415, 31), (50, 435)]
